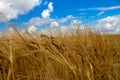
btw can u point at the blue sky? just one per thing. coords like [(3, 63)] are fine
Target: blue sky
[(38, 14)]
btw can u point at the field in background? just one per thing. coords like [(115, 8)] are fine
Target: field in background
[(79, 55)]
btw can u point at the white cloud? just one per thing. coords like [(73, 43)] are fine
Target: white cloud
[(64, 28), (108, 8), (54, 24), (45, 3), (10, 9), (3, 18), (32, 29), (50, 6), (117, 30), (109, 24), (41, 22), (37, 21), (102, 8), (63, 20), (45, 20), (46, 13), (76, 22), (100, 13)]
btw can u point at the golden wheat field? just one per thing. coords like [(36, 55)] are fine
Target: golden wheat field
[(79, 55)]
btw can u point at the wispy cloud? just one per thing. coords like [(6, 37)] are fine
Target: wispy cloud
[(100, 13), (45, 3), (102, 8), (63, 20)]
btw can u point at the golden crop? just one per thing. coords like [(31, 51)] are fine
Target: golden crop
[(79, 55)]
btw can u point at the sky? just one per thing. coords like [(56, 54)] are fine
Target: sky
[(37, 15)]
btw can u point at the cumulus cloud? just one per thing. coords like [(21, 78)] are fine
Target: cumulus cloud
[(54, 24), (46, 13), (50, 6), (49, 22), (32, 29), (10, 9), (37, 21), (45, 20), (109, 24)]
